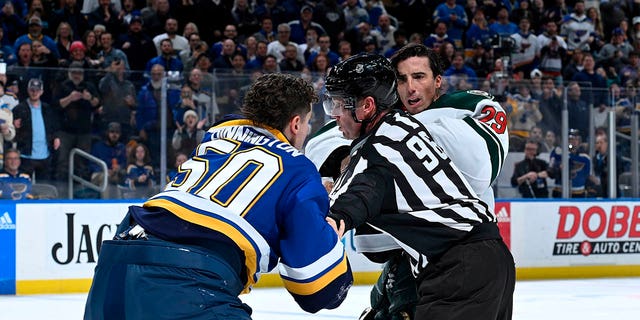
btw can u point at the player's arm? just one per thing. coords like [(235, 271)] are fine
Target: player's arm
[(363, 198), (314, 265)]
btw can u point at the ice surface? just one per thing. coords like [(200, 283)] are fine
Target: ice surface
[(592, 299)]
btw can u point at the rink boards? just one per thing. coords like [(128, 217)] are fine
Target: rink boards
[(52, 246)]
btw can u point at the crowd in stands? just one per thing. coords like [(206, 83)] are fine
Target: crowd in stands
[(74, 72)]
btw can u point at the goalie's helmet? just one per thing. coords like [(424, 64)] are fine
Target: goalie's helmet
[(364, 75)]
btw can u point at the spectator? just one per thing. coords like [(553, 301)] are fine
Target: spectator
[(108, 55), (13, 23), (70, 13), (274, 10), (594, 85), (523, 9), (551, 33), (400, 40), (362, 36), (324, 41), (551, 106), (35, 32), (478, 31), (601, 168), (204, 94), (14, 183), (573, 65), (266, 32), (148, 110), (615, 51), (37, 8), (594, 15), (311, 44), (89, 6), (330, 15), (552, 55), (140, 175), (186, 103), (178, 42), (155, 16), (270, 65), (256, 62), (554, 11), (354, 14), (107, 15), (167, 60), (535, 134), (536, 84), (277, 47), (252, 45), (502, 26), (579, 167), (344, 50), (244, 17), (112, 151), (455, 18), (439, 37), (223, 60), (290, 63), (188, 29), (128, 12), (530, 175), (524, 58), (180, 159), (36, 126), (188, 134), (635, 32), (7, 54), (91, 43), (480, 61), (78, 100), (188, 56), (577, 28), (522, 119), (42, 57), (300, 26), (118, 100), (446, 52), (578, 109), (137, 45), (549, 142), (630, 72), (8, 100), (387, 31), (459, 72), (64, 38), (7, 129)]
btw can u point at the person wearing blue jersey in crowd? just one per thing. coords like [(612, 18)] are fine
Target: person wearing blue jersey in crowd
[(579, 168), (14, 184), (246, 201)]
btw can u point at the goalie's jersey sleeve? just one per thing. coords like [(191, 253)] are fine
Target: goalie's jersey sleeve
[(472, 128), (400, 185), (255, 191)]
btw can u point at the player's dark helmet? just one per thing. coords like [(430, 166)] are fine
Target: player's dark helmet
[(364, 75)]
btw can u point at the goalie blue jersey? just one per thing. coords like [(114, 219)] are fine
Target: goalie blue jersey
[(253, 190)]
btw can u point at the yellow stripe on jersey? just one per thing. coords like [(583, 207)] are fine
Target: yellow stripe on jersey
[(250, 252), (245, 122), (309, 288)]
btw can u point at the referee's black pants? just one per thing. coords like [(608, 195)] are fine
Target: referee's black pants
[(472, 280)]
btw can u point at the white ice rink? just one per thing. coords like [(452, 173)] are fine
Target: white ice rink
[(593, 299)]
